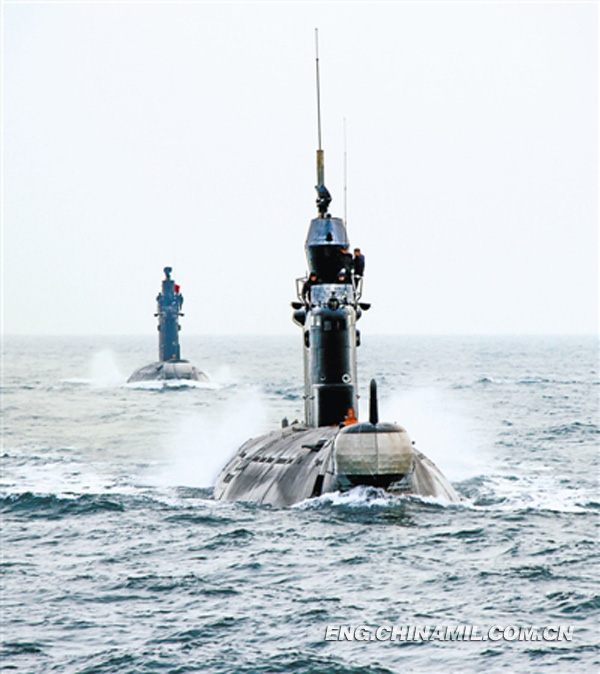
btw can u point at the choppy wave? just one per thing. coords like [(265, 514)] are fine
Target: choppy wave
[(117, 558), (57, 507), (577, 428)]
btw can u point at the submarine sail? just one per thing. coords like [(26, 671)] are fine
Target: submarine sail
[(331, 450), (170, 365)]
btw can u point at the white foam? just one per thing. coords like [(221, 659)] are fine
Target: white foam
[(69, 480), (62, 477), (76, 381), (359, 497), (160, 384), (365, 496), (536, 491)]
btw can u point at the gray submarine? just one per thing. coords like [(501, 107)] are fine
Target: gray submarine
[(170, 364), (331, 450)]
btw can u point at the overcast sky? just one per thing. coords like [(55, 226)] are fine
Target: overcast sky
[(143, 135)]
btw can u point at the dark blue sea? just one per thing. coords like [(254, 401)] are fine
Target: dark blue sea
[(116, 559)]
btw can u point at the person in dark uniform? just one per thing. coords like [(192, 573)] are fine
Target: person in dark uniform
[(310, 281), (358, 263), (345, 263), (343, 277)]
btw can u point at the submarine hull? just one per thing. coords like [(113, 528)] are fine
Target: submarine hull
[(171, 370), (299, 462)]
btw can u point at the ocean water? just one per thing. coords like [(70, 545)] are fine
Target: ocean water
[(116, 559)]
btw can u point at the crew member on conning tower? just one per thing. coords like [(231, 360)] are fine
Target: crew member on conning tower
[(358, 263)]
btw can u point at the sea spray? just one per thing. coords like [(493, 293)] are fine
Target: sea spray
[(442, 428), (104, 371), (201, 442)]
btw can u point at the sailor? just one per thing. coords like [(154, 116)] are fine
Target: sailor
[(350, 418), (343, 276), (310, 281), (358, 263), (345, 262)]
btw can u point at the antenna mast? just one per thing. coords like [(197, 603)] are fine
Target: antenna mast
[(320, 162), (345, 178), (323, 196)]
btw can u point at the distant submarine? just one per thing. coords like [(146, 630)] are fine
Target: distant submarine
[(170, 364), (331, 451)]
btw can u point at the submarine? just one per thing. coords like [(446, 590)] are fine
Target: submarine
[(170, 364), (331, 450)]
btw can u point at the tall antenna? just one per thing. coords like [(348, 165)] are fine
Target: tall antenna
[(323, 196), (345, 177), (320, 158)]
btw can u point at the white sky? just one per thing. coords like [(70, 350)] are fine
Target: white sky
[(137, 136)]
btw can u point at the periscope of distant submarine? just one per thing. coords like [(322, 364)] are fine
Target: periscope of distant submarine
[(331, 450), (170, 365)]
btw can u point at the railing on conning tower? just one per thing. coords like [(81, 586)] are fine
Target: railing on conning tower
[(356, 282)]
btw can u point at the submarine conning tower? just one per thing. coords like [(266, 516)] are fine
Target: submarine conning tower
[(168, 310), (328, 319), (327, 312)]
